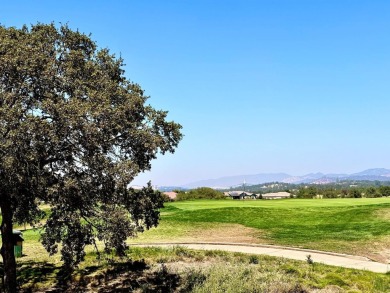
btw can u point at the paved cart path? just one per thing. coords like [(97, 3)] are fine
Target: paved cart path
[(329, 258)]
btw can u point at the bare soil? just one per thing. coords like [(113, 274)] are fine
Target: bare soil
[(378, 251), (228, 233)]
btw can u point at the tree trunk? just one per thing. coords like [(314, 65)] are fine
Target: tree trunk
[(7, 249)]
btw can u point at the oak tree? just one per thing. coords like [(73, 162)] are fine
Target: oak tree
[(74, 132)]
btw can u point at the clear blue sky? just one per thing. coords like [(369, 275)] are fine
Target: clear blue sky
[(259, 86)]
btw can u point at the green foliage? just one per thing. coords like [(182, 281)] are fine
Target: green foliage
[(253, 259), (74, 133), (334, 279), (328, 190), (384, 190), (307, 192), (372, 192), (200, 193), (354, 193), (329, 193)]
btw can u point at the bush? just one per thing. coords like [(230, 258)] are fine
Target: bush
[(384, 190), (371, 192), (194, 278), (354, 193), (253, 259), (200, 193)]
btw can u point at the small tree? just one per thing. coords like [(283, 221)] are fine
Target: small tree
[(74, 132), (201, 193), (354, 193), (307, 192), (384, 190), (371, 192)]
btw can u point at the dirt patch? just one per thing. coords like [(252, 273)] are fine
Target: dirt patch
[(227, 233), (383, 214), (378, 250)]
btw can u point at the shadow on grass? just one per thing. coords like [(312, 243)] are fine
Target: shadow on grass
[(117, 277), (31, 273)]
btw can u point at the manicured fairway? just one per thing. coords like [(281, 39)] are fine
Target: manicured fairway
[(297, 203), (343, 225)]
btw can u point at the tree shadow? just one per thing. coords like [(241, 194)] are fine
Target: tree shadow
[(116, 277), (126, 277), (31, 273)]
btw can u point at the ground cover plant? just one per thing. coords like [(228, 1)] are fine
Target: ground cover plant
[(355, 226)]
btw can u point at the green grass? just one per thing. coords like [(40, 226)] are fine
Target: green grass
[(333, 224), (340, 225), (285, 204)]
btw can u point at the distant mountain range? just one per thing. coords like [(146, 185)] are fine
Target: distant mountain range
[(379, 174)]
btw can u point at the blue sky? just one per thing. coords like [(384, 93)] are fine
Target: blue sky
[(259, 86)]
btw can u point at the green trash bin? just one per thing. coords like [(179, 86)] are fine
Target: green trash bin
[(18, 243), (18, 250)]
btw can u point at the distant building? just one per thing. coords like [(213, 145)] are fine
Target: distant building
[(248, 195), (140, 187), (241, 195), (172, 195), (276, 195)]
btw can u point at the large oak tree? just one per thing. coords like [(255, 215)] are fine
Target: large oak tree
[(74, 132)]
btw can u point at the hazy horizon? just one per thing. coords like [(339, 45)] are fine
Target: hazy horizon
[(251, 174), (259, 86)]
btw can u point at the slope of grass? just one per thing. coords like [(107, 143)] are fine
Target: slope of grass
[(343, 225), (286, 203)]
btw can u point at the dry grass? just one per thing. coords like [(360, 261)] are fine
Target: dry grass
[(160, 269), (202, 232), (383, 214), (225, 233), (378, 250)]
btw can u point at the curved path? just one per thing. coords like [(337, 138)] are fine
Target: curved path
[(329, 258)]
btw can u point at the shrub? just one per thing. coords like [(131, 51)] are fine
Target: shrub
[(354, 193), (384, 190), (253, 259), (194, 278), (200, 193)]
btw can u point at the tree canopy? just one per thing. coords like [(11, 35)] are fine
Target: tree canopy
[(74, 132), (200, 193)]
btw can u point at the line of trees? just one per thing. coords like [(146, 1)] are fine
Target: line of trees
[(353, 192), (200, 193), (281, 186)]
